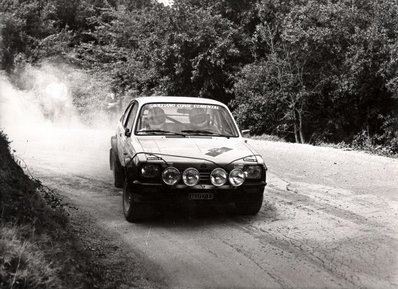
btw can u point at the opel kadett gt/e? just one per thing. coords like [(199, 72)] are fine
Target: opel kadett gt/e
[(183, 148)]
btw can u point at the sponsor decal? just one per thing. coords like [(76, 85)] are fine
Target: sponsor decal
[(218, 151), (185, 105)]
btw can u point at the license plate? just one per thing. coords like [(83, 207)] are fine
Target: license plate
[(201, 196)]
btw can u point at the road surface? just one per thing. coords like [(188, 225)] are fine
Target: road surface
[(329, 218)]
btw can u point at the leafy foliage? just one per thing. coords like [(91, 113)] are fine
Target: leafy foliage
[(307, 71), (324, 61)]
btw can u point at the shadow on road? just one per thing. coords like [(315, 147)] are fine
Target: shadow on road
[(192, 215)]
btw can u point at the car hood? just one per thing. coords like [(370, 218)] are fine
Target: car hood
[(218, 150)]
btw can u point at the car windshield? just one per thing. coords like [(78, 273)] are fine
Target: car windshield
[(185, 119)]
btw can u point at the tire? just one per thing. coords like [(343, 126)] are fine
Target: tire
[(249, 204), (118, 174), (133, 210)]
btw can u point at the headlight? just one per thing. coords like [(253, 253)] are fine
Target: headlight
[(252, 172), (236, 177), (150, 171), (170, 176), (190, 176), (218, 177), (250, 159)]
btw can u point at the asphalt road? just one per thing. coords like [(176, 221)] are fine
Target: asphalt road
[(329, 218)]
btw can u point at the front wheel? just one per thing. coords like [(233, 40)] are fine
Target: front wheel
[(134, 211), (249, 204)]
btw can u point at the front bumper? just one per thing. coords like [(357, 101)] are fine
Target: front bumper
[(160, 193)]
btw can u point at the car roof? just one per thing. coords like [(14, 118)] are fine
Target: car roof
[(177, 99)]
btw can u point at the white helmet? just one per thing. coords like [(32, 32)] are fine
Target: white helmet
[(198, 118), (156, 117)]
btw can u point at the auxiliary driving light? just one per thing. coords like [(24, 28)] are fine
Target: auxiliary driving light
[(237, 177), (190, 176), (218, 177), (170, 176)]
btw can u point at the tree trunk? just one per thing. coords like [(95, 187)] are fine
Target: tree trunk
[(296, 138), (298, 127), (300, 117), (368, 131)]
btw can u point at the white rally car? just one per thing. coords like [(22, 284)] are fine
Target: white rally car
[(183, 148)]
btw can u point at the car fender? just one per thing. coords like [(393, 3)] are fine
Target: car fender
[(114, 144), (113, 152)]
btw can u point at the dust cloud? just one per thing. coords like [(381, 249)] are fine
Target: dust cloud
[(46, 103), (58, 115), (55, 96)]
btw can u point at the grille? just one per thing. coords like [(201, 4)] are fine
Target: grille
[(204, 177)]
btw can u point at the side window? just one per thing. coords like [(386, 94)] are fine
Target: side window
[(125, 115), (131, 117)]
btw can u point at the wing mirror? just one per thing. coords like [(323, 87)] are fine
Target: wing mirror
[(127, 132), (245, 132)]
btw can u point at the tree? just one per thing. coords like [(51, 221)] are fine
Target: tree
[(328, 57)]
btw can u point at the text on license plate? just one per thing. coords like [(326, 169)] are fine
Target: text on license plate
[(201, 196)]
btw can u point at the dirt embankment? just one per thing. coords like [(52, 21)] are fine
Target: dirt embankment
[(36, 249), (40, 243)]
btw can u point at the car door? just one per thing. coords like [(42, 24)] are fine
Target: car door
[(120, 132), (126, 131)]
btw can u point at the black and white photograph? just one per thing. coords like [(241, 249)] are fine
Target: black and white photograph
[(199, 144)]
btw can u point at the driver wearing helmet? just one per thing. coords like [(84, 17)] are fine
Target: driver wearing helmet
[(156, 118), (200, 120)]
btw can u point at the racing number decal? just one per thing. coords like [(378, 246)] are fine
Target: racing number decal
[(217, 151)]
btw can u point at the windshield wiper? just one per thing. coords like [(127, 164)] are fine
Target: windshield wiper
[(205, 132), (199, 131), (223, 135), (161, 132)]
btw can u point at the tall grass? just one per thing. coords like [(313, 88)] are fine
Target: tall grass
[(22, 263)]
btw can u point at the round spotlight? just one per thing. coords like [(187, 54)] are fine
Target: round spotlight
[(237, 177), (170, 176), (218, 177), (190, 177)]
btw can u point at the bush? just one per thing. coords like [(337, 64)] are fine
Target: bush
[(268, 137)]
